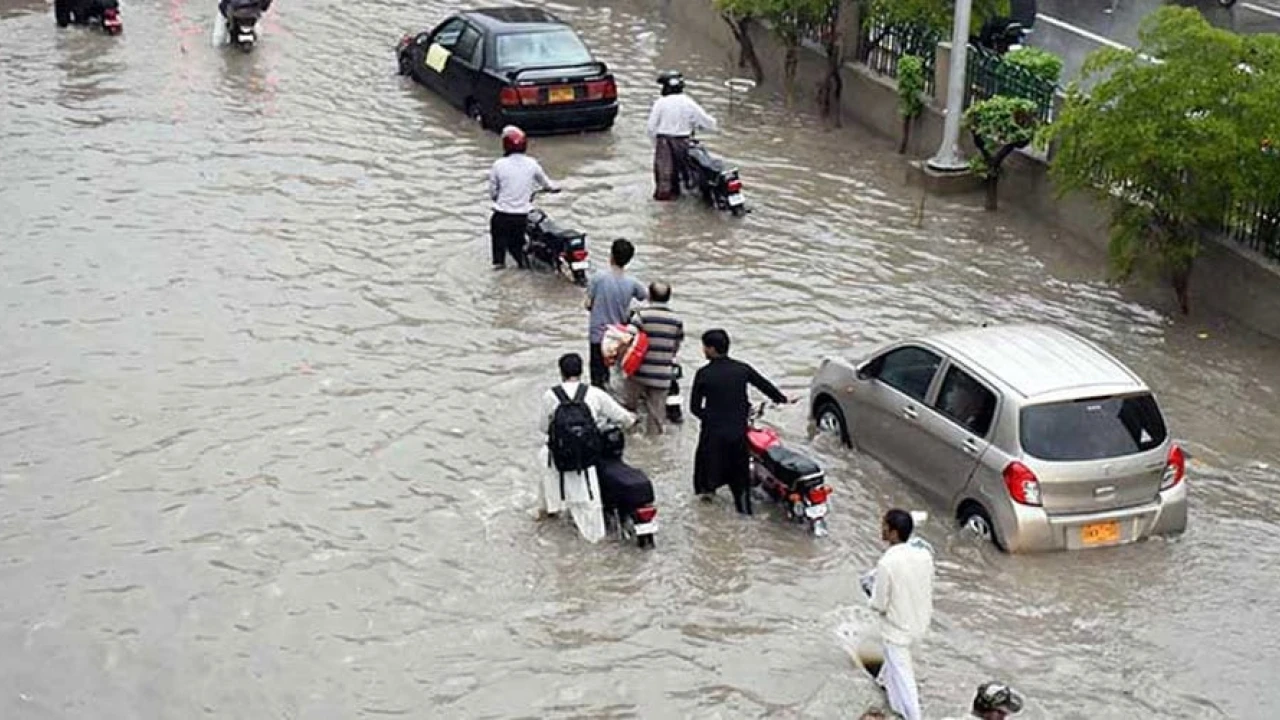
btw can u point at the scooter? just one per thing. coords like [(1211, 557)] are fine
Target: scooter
[(549, 246), (241, 18), (786, 476), (1002, 34), (103, 13), (718, 182), (626, 494)]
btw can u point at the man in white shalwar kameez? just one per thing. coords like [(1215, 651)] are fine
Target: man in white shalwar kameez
[(902, 595), (581, 488)]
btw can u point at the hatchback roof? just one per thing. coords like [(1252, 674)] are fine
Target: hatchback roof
[(1037, 359), (509, 19)]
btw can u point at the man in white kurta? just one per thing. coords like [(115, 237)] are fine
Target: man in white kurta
[(903, 598), (581, 489)]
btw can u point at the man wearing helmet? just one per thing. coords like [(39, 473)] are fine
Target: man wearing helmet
[(512, 181), (672, 121)]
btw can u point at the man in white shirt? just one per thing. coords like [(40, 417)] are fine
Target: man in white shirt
[(902, 595), (579, 491), (512, 180), (672, 121)]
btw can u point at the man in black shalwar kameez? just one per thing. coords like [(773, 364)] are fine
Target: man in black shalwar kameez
[(719, 400)]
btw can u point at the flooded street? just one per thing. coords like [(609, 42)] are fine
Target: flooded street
[(267, 442)]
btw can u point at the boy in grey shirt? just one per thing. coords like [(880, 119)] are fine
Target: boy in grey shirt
[(609, 297)]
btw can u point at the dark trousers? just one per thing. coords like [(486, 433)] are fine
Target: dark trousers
[(599, 371), (721, 459), (506, 235)]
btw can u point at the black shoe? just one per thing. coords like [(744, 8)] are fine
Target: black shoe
[(499, 266)]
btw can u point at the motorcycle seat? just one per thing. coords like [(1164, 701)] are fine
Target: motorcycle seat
[(789, 466), (699, 156), (622, 486), (548, 227)]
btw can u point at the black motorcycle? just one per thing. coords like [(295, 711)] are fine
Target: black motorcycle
[(717, 181), (1002, 34), (626, 494), (549, 246), (103, 13), (241, 17)]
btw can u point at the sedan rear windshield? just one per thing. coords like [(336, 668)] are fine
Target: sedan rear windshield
[(541, 49), (1092, 429)]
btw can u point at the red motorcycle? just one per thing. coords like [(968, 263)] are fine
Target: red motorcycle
[(787, 477)]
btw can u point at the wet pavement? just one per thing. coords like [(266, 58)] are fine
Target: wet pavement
[(267, 431), (1072, 29)]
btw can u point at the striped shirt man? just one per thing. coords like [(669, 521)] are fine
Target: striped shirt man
[(652, 381)]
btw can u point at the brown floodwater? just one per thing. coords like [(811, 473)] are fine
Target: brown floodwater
[(267, 417)]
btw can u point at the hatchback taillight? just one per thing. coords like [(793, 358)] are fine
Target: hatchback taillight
[(1175, 468), (1022, 484)]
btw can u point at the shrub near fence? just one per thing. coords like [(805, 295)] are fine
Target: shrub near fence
[(989, 75), (880, 47)]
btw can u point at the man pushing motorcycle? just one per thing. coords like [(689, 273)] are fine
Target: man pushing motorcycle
[(672, 121)]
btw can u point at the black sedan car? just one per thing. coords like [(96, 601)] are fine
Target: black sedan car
[(518, 66)]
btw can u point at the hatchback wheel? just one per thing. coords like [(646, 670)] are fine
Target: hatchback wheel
[(974, 519), (830, 420)]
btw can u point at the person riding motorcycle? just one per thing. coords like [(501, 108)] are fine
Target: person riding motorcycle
[(512, 181), (672, 121)]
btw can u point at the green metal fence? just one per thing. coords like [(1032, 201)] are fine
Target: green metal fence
[(881, 46), (1256, 226), (989, 75)]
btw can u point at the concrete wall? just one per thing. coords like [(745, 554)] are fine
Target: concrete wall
[(1228, 279)]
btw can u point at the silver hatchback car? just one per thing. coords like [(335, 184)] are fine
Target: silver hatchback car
[(1031, 436)]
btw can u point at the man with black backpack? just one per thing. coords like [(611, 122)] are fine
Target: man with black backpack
[(573, 413)]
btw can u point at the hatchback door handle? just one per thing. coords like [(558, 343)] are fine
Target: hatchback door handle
[(910, 413), (971, 446)]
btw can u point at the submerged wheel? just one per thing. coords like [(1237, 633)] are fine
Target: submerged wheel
[(830, 419), (738, 211), (975, 519), (645, 542), (476, 114)]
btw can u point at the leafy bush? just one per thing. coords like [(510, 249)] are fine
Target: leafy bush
[(1041, 63)]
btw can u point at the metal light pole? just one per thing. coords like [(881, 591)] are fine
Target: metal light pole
[(948, 158)]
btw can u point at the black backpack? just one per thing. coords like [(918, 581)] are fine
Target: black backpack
[(574, 440)]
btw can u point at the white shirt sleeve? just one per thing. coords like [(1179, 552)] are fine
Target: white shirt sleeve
[(882, 589), (611, 410), (547, 411), (653, 122), (540, 177), (700, 117), (493, 181)]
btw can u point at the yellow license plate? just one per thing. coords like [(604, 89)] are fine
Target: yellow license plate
[(561, 94), (1106, 533)]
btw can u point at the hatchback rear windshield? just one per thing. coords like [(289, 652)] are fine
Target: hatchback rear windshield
[(1092, 429), (541, 49)]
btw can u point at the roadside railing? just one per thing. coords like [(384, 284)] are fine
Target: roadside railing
[(990, 74), (881, 46), (1255, 226)]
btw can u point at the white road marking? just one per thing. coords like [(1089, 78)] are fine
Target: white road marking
[(1271, 12), (1064, 25)]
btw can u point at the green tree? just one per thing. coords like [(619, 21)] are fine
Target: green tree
[(742, 16), (911, 84), (792, 21), (1173, 143), (999, 126), (934, 14)]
